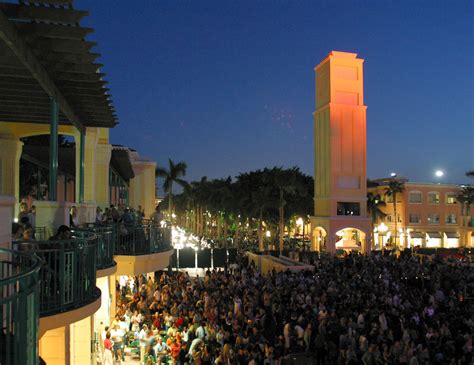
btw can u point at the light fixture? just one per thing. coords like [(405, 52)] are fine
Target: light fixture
[(439, 173)]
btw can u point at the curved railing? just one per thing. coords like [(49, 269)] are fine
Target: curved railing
[(105, 243), (19, 307), (141, 239), (68, 272)]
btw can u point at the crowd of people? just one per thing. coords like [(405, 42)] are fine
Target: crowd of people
[(352, 310)]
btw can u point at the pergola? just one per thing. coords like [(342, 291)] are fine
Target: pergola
[(48, 74)]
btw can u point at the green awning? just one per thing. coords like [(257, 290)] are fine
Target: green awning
[(434, 234), (417, 234)]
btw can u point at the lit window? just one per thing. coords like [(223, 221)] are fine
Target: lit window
[(414, 218), (451, 218), (345, 208), (415, 196), (433, 197), (433, 218), (451, 198)]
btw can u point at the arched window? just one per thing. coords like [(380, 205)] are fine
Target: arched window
[(415, 196), (433, 197)]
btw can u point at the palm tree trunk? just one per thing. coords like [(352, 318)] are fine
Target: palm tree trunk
[(170, 201), (281, 225), (260, 233)]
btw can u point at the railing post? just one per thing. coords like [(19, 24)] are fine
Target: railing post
[(53, 152)]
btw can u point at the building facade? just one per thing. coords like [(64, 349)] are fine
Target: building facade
[(428, 215)]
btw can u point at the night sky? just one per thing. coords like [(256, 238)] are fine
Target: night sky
[(228, 86)]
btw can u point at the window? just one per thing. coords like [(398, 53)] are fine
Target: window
[(451, 198), (433, 197), (414, 218), (345, 208), (389, 199), (388, 217), (433, 218), (415, 197), (451, 218)]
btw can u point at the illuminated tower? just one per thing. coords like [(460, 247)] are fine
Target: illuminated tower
[(340, 189)]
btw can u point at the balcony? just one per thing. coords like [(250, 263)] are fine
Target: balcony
[(142, 248), (19, 301), (67, 288), (106, 237)]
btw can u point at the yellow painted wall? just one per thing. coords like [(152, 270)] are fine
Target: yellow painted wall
[(53, 348)]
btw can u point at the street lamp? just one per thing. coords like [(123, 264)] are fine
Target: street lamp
[(382, 228), (393, 174)]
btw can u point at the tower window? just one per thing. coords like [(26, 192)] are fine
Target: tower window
[(346, 208)]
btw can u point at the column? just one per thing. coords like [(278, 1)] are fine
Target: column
[(102, 166), (53, 152), (53, 346), (10, 154), (89, 151), (7, 207)]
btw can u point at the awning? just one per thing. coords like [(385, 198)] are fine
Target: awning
[(44, 54), (417, 234), (452, 234), (434, 234)]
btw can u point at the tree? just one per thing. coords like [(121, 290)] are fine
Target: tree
[(394, 188), (465, 197), (172, 175), (374, 203), (470, 173)]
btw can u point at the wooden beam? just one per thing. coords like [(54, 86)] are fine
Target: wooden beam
[(10, 36), (32, 31), (15, 72), (62, 45), (51, 58), (52, 15), (71, 76), (76, 68)]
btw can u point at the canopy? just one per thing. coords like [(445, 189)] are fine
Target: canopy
[(44, 56)]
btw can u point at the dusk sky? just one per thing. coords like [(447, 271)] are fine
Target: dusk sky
[(228, 86)]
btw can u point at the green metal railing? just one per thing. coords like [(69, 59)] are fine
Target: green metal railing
[(68, 272), (141, 239), (105, 241), (19, 313), (106, 237)]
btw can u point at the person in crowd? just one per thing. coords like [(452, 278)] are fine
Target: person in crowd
[(108, 346), (157, 217), (63, 233), (73, 217)]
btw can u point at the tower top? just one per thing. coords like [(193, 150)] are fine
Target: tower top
[(341, 56)]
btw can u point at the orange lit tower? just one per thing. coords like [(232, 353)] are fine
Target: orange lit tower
[(340, 210)]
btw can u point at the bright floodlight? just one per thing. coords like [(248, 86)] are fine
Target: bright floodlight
[(393, 174), (439, 173)]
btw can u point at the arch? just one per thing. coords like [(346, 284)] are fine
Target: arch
[(318, 238), (350, 238)]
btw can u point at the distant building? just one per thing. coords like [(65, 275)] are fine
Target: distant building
[(428, 215)]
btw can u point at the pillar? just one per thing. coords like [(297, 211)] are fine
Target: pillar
[(102, 166), (53, 346), (7, 207), (10, 154), (90, 142), (80, 341), (52, 214)]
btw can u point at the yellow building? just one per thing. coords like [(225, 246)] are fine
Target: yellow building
[(428, 215), (51, 85)]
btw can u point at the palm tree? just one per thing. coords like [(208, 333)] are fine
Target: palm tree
[(470, 173), (466, 197), (172, 175), (395, 187), (374, 203)]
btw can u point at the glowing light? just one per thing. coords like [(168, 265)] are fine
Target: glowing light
[(268, 234), (439, 173), (299, 221), (15, 220), (393, 174), (382, 228)]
